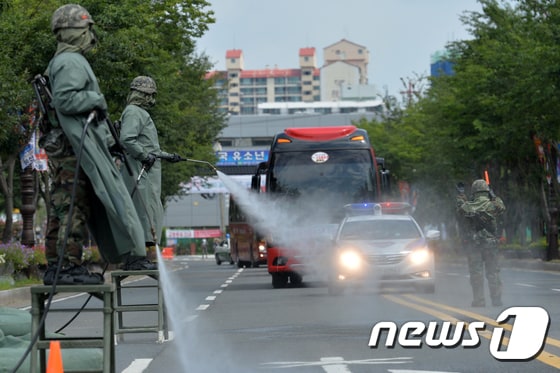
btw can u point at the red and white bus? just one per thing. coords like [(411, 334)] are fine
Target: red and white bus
[(318, 170)]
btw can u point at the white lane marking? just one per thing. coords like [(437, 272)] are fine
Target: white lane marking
[(137, 366), (338, 362), (525, 285), (555, 289), (335, 365), (418, 371), (210, 298)]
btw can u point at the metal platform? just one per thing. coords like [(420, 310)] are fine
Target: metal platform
[(120, 306), (104, 292)]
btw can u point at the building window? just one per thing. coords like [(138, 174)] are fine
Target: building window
[(264, 141), (233, 60), (226, 142), (233, 75), (280, 80), (294, 80), (271, 111), (360, 51), (246, 81), (248, 110), (292, 90)]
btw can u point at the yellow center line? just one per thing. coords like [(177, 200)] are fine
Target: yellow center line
[(545, 356)]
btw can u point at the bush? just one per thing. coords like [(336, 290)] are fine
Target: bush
[(21, 258)]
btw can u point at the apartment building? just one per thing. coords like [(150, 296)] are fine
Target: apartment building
[(241, 91)]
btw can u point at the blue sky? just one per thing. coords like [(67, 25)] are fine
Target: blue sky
[(400, 35)]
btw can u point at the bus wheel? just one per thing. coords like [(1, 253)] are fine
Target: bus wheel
[(296, 279), (218, 261), (239, 263), (279, 280)]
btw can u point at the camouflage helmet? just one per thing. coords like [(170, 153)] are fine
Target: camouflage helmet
[(144, 84), (70, 16), (479, 186)]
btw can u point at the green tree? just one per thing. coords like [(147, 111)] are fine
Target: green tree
[(485, 117)]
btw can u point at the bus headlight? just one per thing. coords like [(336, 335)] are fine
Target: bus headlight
[(419, 256), (350, 260)]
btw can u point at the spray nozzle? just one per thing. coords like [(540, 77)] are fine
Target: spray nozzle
[(189, 160)]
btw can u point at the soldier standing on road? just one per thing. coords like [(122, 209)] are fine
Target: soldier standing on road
[(101, 201), (139, 137), (477, 218)]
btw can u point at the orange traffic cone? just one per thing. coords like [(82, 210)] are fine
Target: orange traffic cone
[(167, 253), (54, 364)]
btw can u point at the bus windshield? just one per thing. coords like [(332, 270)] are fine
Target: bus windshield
[(345, 176)]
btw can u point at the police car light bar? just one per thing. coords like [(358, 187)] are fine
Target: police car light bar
[(373, 208)]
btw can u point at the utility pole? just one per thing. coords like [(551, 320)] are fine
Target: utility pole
[(27, 178), (410, 92)]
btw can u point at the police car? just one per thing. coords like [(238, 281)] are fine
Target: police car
[(378, 244)]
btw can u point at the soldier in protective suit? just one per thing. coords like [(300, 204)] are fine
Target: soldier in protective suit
[(101, 200), (139, 137), (477, 218)]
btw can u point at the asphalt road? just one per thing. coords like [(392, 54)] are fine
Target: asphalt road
[(225, 319)]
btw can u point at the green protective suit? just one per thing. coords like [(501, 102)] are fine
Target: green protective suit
[(139, 137), (114, 222), (480, 236)]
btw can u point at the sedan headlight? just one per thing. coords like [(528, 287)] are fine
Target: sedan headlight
[(350, 260), (419, 256)]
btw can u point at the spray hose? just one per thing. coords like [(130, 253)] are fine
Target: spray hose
[(182, 159)]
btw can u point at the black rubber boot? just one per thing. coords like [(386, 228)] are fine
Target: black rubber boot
[(138, 263), (72, 274)]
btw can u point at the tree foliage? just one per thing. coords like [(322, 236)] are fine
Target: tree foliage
[(505, 90)]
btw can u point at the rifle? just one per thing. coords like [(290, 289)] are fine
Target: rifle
[(118, 147), (44, 99)]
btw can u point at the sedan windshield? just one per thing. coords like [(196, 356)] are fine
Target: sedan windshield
[(379, 230)]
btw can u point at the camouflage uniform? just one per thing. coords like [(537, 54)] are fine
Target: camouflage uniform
[(480, 237), (62, 171)]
